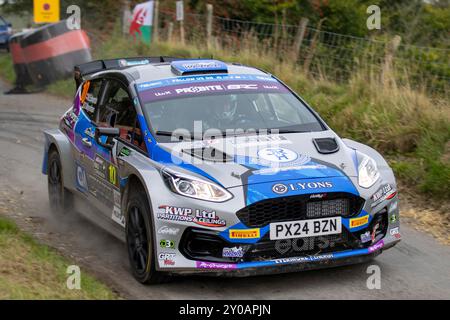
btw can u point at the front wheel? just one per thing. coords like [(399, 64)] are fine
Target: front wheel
[(58, 196), (141, 252)]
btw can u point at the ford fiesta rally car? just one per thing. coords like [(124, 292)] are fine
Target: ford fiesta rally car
[(207, 167)]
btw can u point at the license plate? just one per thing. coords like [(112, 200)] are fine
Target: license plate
[(305, 228)]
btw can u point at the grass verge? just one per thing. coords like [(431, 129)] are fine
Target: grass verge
[(6, 68), (29, 270)]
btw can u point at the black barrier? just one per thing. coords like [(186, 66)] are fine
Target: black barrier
[(47, 54)]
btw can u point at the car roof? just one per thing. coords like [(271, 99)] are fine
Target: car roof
[(164, 70), (141, 70)]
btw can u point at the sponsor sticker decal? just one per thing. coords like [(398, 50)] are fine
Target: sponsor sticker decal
[(318, 196), (100, 167), (208, 219), (117, 198), (214, 265), (290, 167), (165, 255), (393, 218), (117, 216), (376, 246), (198, 89), (263, 140), (358, 222), (281, 188), (175, 213), (167, 258), (304, 259), (168, 230), (393, 206), (169, 262), (394, 231), (244, 233), (277, 155), (235, 252), (201, 217), (167, 244), (82, 183), (366, 237), (386, 192)]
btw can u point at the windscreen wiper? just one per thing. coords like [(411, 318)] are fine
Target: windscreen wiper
[(164, 133), (176, 135), (286, 131)]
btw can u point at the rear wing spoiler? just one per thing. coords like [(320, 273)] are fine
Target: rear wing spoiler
[(85, 69)]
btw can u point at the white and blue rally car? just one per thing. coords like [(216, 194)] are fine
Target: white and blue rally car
[(208, 167)]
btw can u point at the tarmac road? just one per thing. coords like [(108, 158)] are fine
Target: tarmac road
[(417, 268)]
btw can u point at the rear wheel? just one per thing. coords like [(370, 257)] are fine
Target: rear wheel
[(58, 196), (139, 236)]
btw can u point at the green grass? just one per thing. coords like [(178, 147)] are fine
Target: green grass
[(62, 88), (408, 127), (6, 68), (29, 270)]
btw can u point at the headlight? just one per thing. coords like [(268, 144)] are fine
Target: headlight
[(368, 172), (192, 187)]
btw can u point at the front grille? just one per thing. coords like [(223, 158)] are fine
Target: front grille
[(327, 208), (299, 207)]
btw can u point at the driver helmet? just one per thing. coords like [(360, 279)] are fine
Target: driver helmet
[(226, 107)]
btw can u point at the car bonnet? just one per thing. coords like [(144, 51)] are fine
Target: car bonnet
[(253, 159)]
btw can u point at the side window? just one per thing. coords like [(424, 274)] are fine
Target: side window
[(89, 97), (118, 111), (137, 137)]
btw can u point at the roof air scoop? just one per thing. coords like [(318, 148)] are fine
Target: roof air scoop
[(326, 145), (189, 67)]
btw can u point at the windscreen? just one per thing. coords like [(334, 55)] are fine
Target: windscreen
[(223, 104)]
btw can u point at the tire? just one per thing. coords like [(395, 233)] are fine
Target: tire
[(59, 198), (139, 239)]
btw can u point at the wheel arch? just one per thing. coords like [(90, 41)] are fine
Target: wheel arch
[(134, 180), (57, 140)]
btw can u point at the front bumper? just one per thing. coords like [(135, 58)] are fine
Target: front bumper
[(293, 264), (259, 257)]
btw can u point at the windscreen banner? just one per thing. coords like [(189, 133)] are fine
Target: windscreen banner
[(182, 87)]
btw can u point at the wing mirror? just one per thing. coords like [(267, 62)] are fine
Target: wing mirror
[(106, 132)]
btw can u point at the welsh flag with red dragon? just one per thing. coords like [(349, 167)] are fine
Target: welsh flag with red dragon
[(142, 21)]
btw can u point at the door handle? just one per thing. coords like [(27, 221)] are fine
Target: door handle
[(86, 142)]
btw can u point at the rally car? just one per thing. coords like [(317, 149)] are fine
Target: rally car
[(202, 166)]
